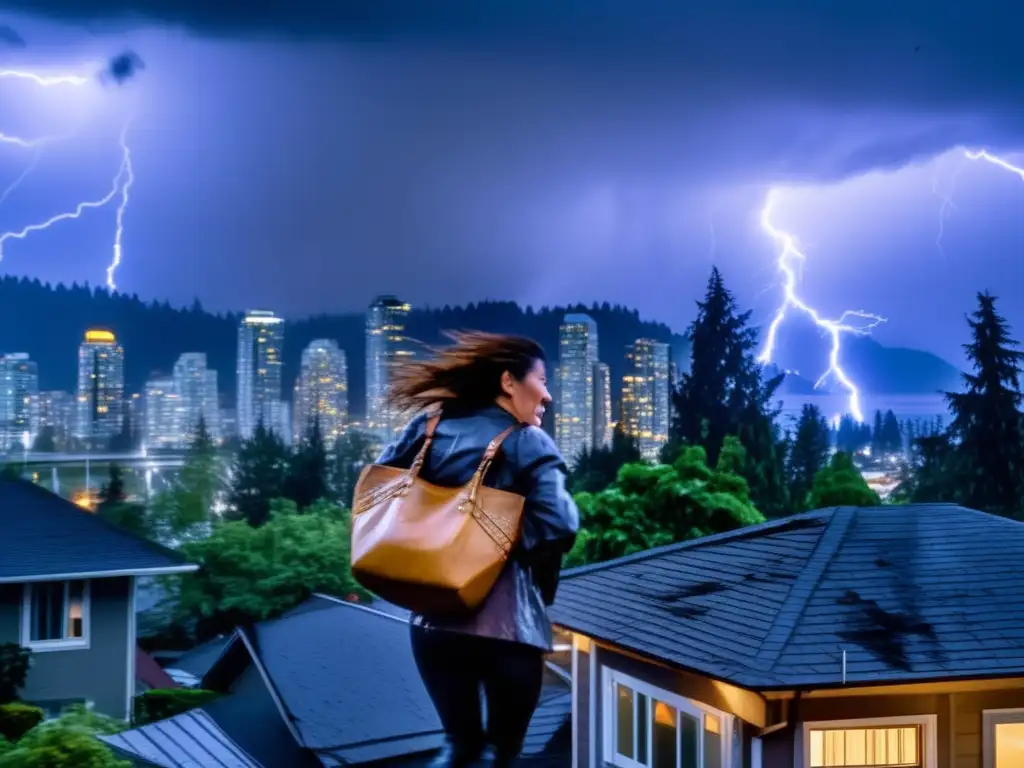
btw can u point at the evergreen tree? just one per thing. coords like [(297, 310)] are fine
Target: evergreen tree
[(986, 423), (724, 394), (113, 492), (353, 450), (46, 440), (808, 455), (261, 470), (877, 440), (892, 436), (307, 471), (596, 470), (930, 478)]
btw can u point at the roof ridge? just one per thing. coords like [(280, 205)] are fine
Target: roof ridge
[(749, 531), (804, 586), (360, 606)]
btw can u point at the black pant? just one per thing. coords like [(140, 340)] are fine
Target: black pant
[(455, 666)]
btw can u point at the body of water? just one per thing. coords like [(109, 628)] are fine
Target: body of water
[(834, 405)]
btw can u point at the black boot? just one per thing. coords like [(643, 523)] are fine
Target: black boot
[(454, 757)]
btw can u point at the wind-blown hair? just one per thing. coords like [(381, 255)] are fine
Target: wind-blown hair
[(467, 373)]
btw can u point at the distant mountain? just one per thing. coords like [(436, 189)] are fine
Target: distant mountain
[(49, 322), (803, 351)]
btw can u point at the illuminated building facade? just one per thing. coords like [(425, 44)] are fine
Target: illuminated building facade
[(99, 406), (19, 402), (166, 414), (387, 345), (260, 346), (57, 415), (646, 396), (196, 384), (603, 424), (577, 358), (321, 391)]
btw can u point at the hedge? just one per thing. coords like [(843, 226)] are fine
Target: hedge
[(161, 703)]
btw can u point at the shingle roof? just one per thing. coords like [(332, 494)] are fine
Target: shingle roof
[(190, 739), (43, 535), (910, 593)]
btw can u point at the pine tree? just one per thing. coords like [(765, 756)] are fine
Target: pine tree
[(307, 472), (877, 440), (353, 450), (892, 435), (113, 492), (986, 425), (808, 455), (261, 470)]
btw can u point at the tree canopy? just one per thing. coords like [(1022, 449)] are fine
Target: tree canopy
[(648, 506), (841, 484)]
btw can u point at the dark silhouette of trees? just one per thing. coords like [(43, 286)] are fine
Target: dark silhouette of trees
[(261, 471), (353, 450), (808, 454), (596, 470), (307, 480)]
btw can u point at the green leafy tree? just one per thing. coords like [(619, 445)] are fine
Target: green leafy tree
[(252, 573), (307, 471), (841, 484), (14, 664), (67, 742), (986, 426), (596, 470), (353, 450), (809, 453), (649, 506), (185, 510), (261, 471)]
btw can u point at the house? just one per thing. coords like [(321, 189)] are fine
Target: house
[(67, 593), (328, 683), (885, 636)]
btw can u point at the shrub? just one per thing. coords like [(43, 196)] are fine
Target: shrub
[(18, 719), (161, 703), (14, 664)]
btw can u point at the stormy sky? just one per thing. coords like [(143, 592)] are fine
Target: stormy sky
[(305, 156)]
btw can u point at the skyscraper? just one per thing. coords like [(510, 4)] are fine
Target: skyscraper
[(603, 424), (57, 414), (260, 345), (99, 411), (645, 396), (577, 356), (165, 420), (197, 386), (19, 401), (321, 391), (386, 346)]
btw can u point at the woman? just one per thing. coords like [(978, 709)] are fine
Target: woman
[(486, 383)]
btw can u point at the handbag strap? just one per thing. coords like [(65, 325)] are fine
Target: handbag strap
[(432, 421), (485, 464)]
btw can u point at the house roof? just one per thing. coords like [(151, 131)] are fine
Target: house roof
[(189, 739), (909, 593), (46, 537), (347, 688), (150, 673)]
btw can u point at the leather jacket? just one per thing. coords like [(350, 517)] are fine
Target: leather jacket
[(528, 464)]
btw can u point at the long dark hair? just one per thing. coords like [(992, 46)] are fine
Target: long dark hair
[(467, 373)]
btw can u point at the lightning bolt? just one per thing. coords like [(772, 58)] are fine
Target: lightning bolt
[(122, 181), (790, 259), (947, 207)]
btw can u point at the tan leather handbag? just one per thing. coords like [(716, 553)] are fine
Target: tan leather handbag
[(430, 549)]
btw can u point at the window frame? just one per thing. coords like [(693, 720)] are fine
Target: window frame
[(66, 643), (990, 718), (611, 677), (927, 723)]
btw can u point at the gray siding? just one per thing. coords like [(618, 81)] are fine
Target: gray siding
[(98, 673)]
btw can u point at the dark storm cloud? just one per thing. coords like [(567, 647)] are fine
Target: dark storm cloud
[(123, 67)]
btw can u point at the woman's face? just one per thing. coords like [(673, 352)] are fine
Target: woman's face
[(528, 398)]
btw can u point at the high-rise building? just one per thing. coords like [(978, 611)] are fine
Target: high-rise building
[(603, 423), (387, 345), (260, 345), (577, 356), (19, 401), (646, 396), (197, 386), (99, 407), (165, 416), (321, 391), (57, 415)]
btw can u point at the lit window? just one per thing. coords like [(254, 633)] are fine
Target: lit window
[(56, 615), (894, 747), (1003, 734), (649, 728)]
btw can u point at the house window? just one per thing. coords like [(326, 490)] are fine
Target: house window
[(55, 615), (646, 727), (897, 742), (1003, 733)]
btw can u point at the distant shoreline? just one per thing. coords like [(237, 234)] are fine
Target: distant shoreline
[(924, 406)]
